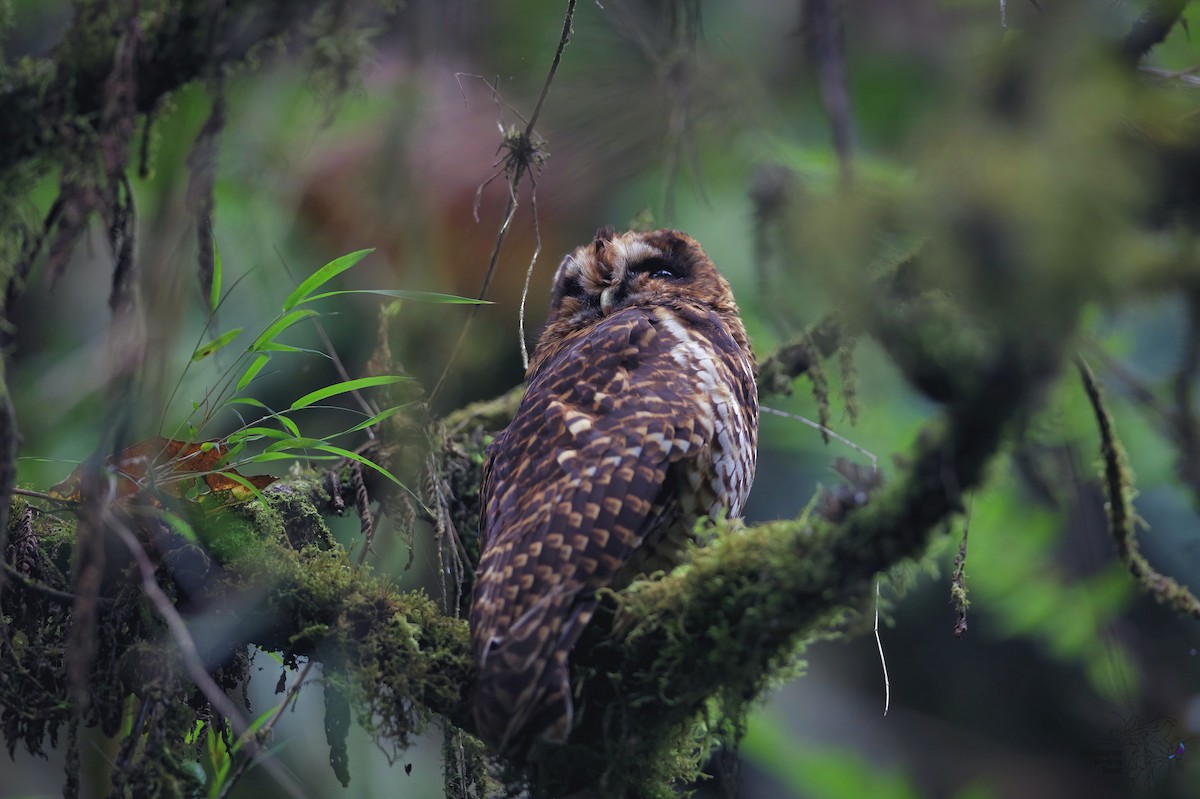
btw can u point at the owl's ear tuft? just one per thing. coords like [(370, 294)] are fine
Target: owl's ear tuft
[(603, 236)]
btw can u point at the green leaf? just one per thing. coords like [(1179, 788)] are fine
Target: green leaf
[(289, 424), (354, 456), (247, 401), (267, 337), (231, 453), (323, 276), (418, 296), (216, 344), (376, 419), (253, 727), (214, 294), (343, 387), (288, 455), (237, 478), (294, 442), (301, 443), (254, 433), (180, 525), (253, 371)]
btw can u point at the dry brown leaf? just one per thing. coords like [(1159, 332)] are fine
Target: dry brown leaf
[(158, 463)]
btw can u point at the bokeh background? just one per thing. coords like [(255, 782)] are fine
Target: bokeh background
[(703, 116)]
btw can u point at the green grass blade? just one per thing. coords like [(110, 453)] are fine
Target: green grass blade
[(214, 294), (180, 525), (267, 337), (323, 276), (237, 478), (288, 455), (354, 456), (293, 443), (400, 294), (289, 424), (247, 401), (216, 344), (254, 433), (253, 371), (289, 445), (376, 419), (343, 387)]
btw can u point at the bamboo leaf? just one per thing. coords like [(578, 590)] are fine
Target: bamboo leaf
[(288, 455), (267, 337), (216, 344), (376, 419), (289, 424), (255, 433), (343, 387), (247, 401), (237, 478), (253, 371), (323, 276), (214, 294), (293, 443), (180, 525), (279, 448), (354, 456)]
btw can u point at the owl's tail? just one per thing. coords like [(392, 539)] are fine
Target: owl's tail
[(523, 694)]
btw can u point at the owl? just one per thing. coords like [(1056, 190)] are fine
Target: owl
[(640, 418)]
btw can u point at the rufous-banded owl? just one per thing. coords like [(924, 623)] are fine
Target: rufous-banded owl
[(640, 417)]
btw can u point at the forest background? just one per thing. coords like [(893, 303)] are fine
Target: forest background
[(1038, 160)]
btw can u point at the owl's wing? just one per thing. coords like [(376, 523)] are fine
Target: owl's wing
[(572, 487)]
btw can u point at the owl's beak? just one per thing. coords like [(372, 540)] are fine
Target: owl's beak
[(608, 299)]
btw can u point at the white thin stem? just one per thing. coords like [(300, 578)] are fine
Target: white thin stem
[(818, 426), (537, 250), (887, 685)]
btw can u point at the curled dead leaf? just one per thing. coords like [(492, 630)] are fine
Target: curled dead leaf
[(161, 464)]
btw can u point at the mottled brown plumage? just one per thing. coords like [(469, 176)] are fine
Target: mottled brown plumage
[(640, 417)]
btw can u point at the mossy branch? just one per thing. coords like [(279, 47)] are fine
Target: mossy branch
[(179, 45), (1122, 519), (721, 626)]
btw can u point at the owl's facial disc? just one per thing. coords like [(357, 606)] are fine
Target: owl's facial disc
[(620, 260)]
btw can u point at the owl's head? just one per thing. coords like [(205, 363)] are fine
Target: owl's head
[(633, 269)]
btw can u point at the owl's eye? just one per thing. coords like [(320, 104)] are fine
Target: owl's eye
[(655, 267)]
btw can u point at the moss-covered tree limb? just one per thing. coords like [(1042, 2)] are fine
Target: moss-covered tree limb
[(1151, 27), (1122, 519), (720, 627), (796, 358), (180, 43), (277, 580)]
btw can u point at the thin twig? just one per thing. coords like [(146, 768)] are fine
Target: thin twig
[(562, 45), (25, 492), (824, 430), (522, 153), (245, 762), (537, 250), (62, 597)]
